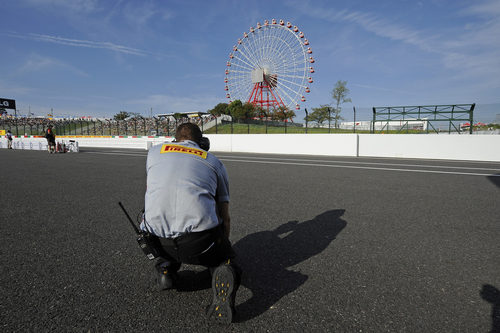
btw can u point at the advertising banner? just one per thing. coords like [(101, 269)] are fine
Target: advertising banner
[(7, 103)]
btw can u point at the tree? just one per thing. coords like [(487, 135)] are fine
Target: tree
[(339, 95), (239, 111), (249, 110), (122, 115), (261, 112), (319, 115), (282, 113), (221, 108), (236, 109)]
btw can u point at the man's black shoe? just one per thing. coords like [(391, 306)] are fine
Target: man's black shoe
[(165, 278), (224, 287)]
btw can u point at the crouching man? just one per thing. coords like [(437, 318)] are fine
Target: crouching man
[(187, 208)]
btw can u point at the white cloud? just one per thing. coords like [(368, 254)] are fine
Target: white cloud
[(80, 43), (139, 15), (486, 8), (471, 52), (369, 22), (476, 52)]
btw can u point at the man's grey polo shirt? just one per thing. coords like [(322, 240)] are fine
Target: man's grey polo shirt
[(184, 183)]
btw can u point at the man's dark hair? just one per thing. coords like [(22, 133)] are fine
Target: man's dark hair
[(188, 131)]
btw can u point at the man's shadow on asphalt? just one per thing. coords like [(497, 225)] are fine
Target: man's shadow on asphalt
[(492, 295), (266, 257), (495, 179)]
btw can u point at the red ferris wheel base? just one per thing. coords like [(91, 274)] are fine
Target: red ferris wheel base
[(263, 95)]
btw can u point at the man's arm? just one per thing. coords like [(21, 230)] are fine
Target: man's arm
[(223, 209)]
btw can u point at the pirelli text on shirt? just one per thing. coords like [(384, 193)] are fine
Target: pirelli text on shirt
[(171, 148)]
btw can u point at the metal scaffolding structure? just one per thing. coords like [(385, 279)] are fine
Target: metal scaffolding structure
[(422, 117)]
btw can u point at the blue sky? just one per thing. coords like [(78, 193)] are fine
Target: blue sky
[(97, 57)]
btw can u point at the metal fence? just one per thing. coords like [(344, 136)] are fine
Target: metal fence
[(165, 126), (95, 127), (145, 126)]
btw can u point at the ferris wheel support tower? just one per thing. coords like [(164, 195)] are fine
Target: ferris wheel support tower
[(262, 93)]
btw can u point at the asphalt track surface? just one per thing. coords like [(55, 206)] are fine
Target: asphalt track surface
[(326, 244)]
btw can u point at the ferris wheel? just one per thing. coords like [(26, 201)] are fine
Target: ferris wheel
[(270, 66)]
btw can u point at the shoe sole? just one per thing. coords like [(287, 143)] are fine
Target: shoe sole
[(223, 282)]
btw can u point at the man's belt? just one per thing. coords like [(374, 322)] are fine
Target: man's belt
[(188, 237)]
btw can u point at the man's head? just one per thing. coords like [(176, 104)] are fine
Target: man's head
[(188, 131)]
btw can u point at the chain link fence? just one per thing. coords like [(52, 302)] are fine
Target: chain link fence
[(164, 126), (95, 127)]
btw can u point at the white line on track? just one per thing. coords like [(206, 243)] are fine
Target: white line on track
[(361, 162), (268, 160), (361, 167), (114, 153)]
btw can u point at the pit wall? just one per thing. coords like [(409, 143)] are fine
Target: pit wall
[(429, 146)]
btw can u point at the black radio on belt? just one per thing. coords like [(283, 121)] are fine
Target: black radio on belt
[(147, 245), (145, 240)]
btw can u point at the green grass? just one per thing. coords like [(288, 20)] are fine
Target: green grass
[(261, 129)]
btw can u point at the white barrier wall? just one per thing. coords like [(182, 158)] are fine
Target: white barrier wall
[(300, 144), (432, 146), (25, 144), (116, 142), (35, 143)]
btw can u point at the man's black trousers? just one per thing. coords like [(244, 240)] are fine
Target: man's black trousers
[(208, 248)]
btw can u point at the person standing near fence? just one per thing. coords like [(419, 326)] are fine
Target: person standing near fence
[(9, 139), (51, 140)]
